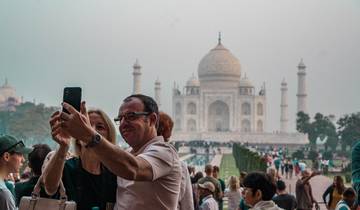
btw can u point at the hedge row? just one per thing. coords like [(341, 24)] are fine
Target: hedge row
[(247, 160)]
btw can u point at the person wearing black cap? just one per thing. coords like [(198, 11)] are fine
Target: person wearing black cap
[(11, 159)]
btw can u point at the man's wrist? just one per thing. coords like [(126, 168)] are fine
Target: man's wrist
[(95, 140)]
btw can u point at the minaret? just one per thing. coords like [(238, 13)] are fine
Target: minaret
[(283, 108), (301, 95), (137, 77), (157, 92)]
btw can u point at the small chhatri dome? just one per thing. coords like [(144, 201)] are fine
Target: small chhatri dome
[(219, 65), (157, 81), (193, 82), (283, 83), (301, 64), (137, 65), (245, 82)]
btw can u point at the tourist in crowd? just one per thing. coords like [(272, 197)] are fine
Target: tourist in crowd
[(233, 193), (282, 166), (209, 178), (194, 182), (243, 205), (348, 200), (277, 163), (86, 180), (242, 177), (272, 173), (259, 189), (185, 200), (334, 193), (216, 171), (304, 196), (36, 159), (286, 168), (291, 168), (149, 171), (206, 192), (283, 199), (11, 159), (355, 170)]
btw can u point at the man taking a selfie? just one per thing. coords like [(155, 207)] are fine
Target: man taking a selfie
[(149, 174)]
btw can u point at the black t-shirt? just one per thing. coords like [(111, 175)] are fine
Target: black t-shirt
[(286, 201), (86, 189)]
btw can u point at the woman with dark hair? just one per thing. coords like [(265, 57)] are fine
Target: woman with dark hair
[(86, 180), (334, 192)]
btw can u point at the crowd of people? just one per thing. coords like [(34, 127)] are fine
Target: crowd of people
[(149, 174)]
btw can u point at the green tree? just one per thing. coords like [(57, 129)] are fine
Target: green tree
[(299, 154), (322, 127), (29, 122), (303, 122), (313, 155), (349, 129)]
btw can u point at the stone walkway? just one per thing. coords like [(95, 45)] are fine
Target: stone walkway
[(318, 183), (216, 161)]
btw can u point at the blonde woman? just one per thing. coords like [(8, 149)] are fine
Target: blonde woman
[(86, 180), (233, 193)]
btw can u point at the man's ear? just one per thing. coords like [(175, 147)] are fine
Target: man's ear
[(258, 195), (153, 119), (6, 156)]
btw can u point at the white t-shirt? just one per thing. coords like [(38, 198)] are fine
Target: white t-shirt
[(163, 191), (233, 198), (209, 203), (6, 198)]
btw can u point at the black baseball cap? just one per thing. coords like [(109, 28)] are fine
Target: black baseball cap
[(11, 144)]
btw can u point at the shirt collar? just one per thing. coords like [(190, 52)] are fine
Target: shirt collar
[(207, 197), (2, 184), (155, 139)]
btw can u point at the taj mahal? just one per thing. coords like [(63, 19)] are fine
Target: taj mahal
[(221, 104)]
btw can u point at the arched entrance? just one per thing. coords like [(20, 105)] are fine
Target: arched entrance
[(219, 117)]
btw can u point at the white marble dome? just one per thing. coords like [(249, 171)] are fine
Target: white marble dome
[(219, 65)]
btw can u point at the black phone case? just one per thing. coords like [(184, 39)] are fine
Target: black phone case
[(72, 96)]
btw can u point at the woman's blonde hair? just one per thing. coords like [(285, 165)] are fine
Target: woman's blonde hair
[(110, 126), (234, 183)]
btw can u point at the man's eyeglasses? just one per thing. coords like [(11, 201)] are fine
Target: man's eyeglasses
[(12, 147), (129, 116)]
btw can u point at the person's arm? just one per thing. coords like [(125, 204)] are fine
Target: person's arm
[(326, 193), (312, 198), (53, 169), (53, 165), (307, 179), (118, 161)]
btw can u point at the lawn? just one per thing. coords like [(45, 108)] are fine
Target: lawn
[(228, 167)]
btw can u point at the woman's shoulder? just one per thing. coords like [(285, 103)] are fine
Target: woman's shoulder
[(72, 163)]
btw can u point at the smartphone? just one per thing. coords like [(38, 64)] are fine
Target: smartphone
[(72, 96)]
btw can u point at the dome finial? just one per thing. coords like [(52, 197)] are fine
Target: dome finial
[(219, 39), (6, 81)]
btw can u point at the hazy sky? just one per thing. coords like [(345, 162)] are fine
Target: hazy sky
[(46, 45)]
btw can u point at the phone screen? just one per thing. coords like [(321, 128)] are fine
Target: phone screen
[(72, 96)]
